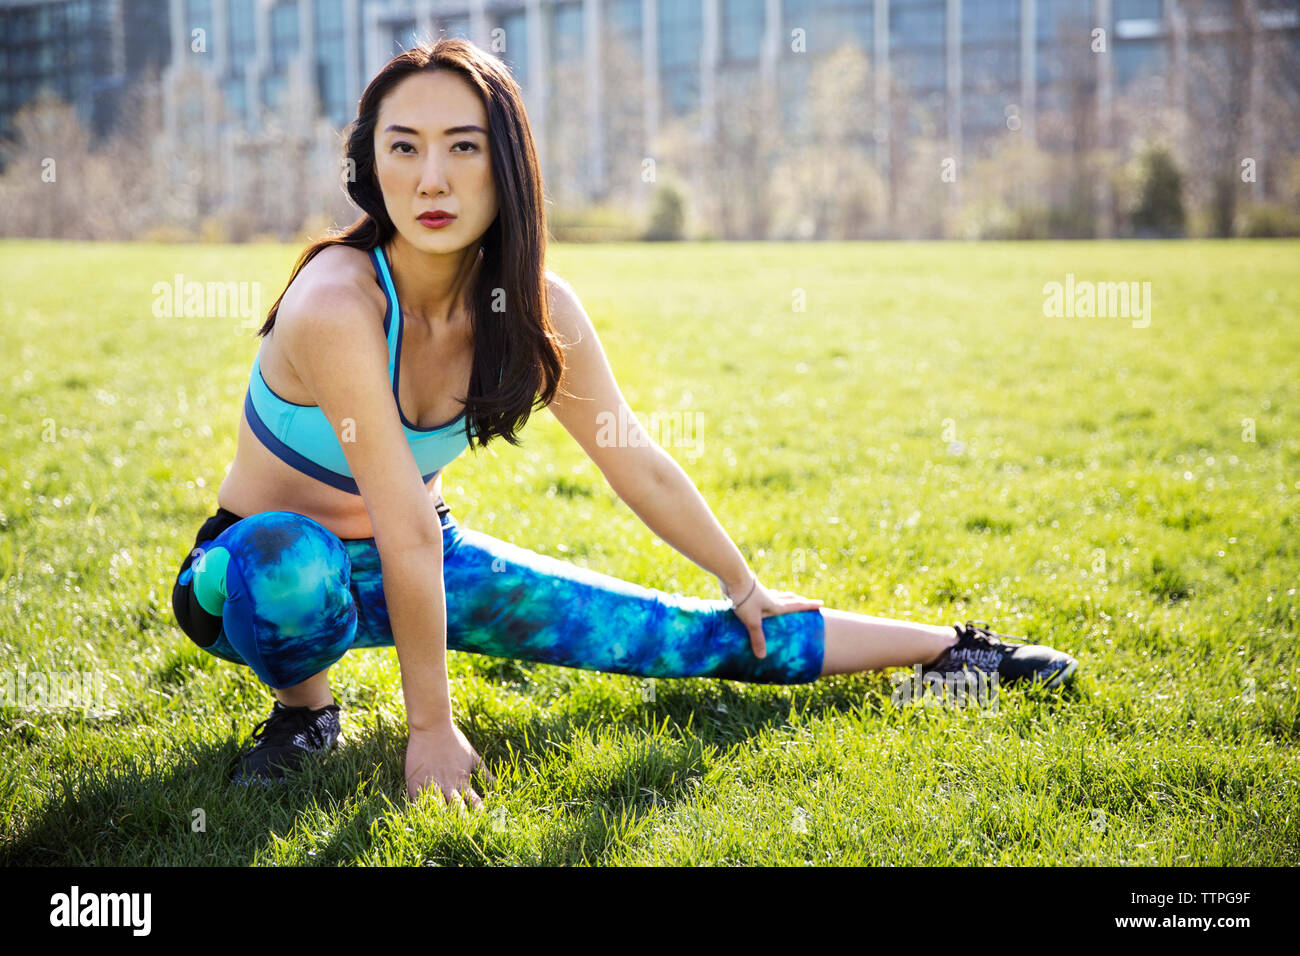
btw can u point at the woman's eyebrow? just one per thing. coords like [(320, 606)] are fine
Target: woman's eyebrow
[(469, 128)]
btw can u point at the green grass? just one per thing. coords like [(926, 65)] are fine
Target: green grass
[(920, 443)]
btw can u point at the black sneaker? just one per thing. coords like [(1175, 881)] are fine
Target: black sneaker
[(978, 648), (284, 740)]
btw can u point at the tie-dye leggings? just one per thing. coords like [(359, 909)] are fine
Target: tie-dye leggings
[(279, 592)]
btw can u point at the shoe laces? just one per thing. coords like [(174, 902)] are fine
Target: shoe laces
[(978, 645), (979, 632), (285, 724)]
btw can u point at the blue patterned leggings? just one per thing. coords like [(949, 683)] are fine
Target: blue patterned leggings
[(279, 592)]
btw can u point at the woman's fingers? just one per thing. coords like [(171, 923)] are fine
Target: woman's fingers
[(790, 595), (800, 599), (793, 606), (464, 799)]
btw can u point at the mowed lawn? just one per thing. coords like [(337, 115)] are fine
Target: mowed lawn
[(895, 428)]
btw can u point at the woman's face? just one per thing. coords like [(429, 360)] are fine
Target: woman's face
[(431, 153)]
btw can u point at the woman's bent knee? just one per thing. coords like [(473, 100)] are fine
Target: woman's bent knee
[(288, 610)]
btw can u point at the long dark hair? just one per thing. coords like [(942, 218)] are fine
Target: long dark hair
[(517, 346)]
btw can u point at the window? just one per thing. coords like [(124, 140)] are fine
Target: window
[(990, 20), (680, 29), (242, 40), (566, 32), (1138, 9), (456, 27), (742, 29), (284, 31), (1136, 57), (515, 54)]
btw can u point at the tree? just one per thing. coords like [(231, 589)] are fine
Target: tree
[(44, 165)]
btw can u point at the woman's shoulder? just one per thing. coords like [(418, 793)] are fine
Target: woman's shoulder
[(337, 281), (333, 299), (556, 283)]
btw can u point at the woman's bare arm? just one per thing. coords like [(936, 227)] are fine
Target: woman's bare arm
[(337, 348)]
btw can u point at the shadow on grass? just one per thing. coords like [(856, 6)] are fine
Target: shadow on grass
[(590, 778)]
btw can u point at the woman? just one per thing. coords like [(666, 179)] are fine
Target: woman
[(337, 474)]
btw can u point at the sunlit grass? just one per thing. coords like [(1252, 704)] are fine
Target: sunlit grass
[(919, 441)]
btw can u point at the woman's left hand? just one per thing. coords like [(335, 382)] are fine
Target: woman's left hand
[(764, 603)]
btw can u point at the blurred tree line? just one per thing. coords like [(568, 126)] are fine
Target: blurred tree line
[(1212, 148)]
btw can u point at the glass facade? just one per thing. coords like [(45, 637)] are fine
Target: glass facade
[(66, 46), (331, 59), (198, 16), (1062, 48), (565, 33), (242, 33), (827, 24), (70, 49), (917, 55), (1136, 58), (284, 32), (623, 39), (456, 27), (990, 66), (1137, 9), (1063, 21), (623, 20), (403, 35), (515, 27), (681, 26), (742, 30)]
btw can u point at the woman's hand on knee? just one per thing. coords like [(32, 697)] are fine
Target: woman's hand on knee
[(764, 603)]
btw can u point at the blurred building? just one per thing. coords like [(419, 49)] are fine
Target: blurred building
[(964, 69), (88, 52)]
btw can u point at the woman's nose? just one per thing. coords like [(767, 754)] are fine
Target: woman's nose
[(432, 178)]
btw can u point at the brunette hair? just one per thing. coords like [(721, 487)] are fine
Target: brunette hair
[(517, 347)]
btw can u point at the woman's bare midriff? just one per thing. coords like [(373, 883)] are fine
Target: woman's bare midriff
[(258, 481)]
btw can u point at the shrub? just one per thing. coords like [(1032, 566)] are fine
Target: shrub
[(1159, 211), (1269, 222), (596, 223), (667, 214)]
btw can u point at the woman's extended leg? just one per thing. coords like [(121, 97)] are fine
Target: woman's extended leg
[(507, 601), (860, 642)]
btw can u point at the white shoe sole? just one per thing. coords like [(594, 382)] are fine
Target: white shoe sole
[(1064, 674)]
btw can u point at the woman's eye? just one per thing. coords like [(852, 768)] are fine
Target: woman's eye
[(395, 145), (465, 142)]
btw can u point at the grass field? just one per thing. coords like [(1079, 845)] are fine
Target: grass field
[(920, 442)]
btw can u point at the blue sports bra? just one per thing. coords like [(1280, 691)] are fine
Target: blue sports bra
[(302, 437)]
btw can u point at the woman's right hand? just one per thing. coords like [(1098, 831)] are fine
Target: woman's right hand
[(443, 758)]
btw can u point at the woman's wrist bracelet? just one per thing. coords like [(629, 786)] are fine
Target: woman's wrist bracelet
[(734, 602)]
